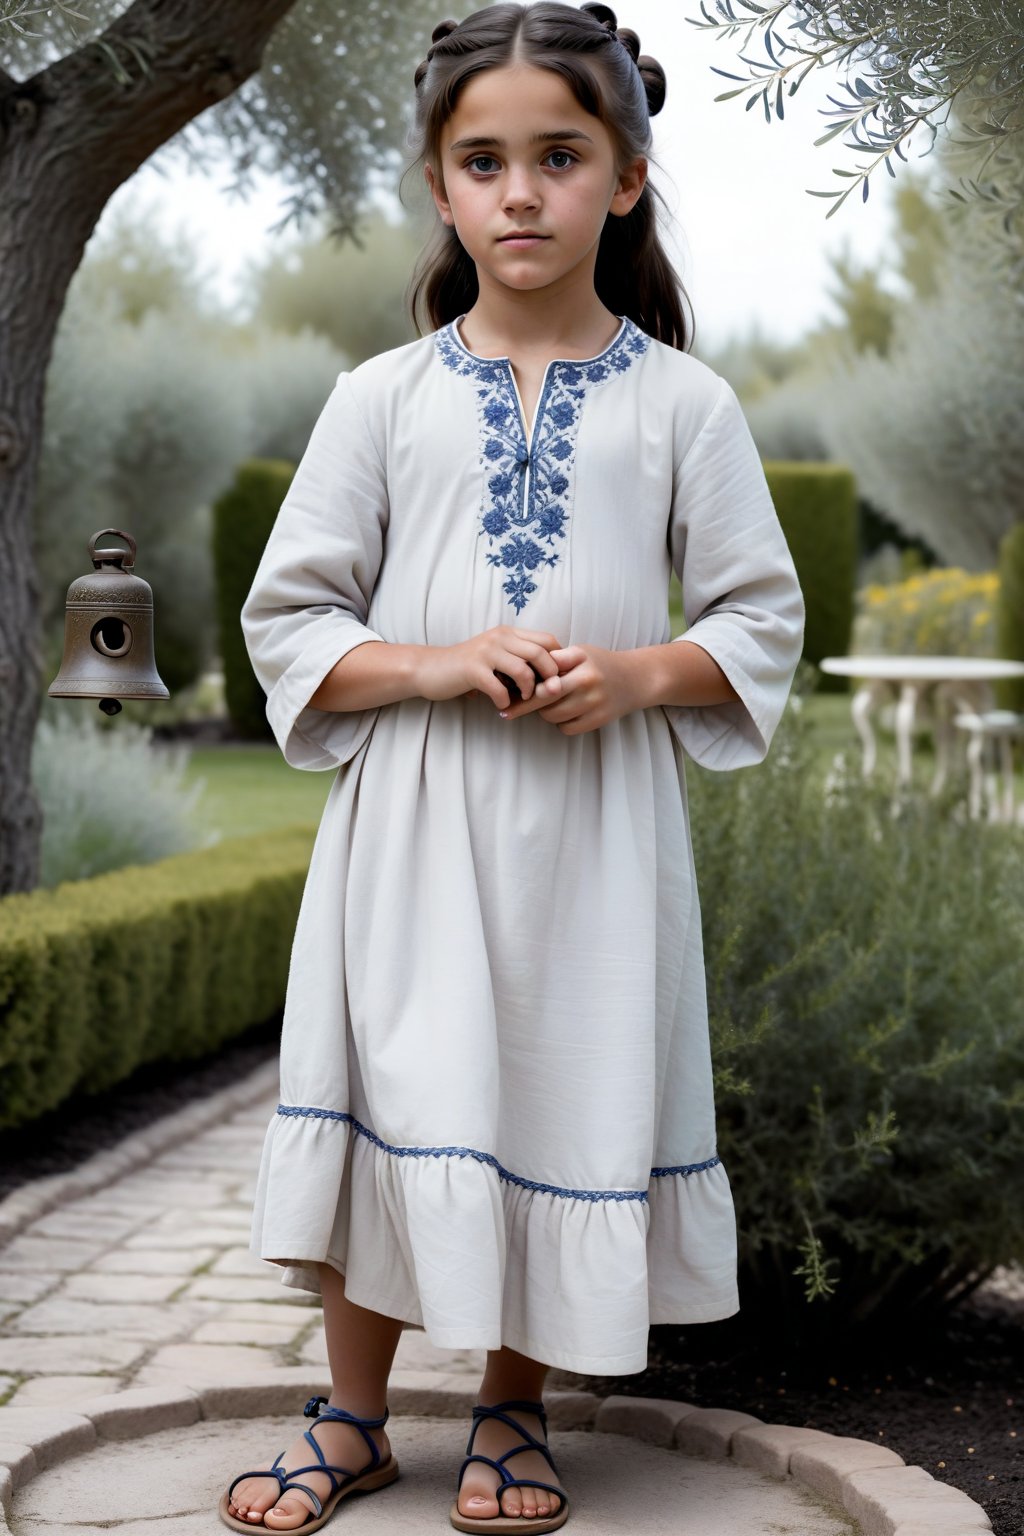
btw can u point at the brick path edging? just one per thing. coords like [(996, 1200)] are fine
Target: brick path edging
[(39, 1196), (869, 1483)]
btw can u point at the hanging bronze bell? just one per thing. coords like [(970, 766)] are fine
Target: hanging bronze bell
[(108, 632)]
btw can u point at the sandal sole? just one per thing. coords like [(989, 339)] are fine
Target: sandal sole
[(378, 1478)]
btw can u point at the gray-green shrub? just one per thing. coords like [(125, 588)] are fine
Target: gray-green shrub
[(865, 966), (109, 797)]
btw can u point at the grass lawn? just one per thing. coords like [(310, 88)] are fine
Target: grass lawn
[(250, 788)]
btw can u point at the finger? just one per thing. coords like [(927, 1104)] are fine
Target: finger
[(527, 675), (589, 719), (519, 680), (543, 662), (568, 656), (498, 691), (562, 711), (536, 660), (547, 689), (541, 636)]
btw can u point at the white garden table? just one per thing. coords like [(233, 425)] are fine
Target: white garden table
[(954, 683)]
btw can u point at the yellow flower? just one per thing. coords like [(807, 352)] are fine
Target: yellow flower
[(948, 611)]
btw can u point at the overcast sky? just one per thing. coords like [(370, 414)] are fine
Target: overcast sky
[(751, 245)]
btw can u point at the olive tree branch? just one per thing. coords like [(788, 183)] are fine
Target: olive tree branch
[(907, 62)]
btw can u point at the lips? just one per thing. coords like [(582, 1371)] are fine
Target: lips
[(522, 234)]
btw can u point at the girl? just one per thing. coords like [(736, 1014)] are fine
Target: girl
[(497, 1117)]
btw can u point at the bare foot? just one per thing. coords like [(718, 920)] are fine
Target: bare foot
[(259, 1501), (478, 1496)]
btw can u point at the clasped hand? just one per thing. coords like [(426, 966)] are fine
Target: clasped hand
[(579, 687)]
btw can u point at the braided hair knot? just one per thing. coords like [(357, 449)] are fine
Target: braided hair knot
[(651, 72), (438, 35)]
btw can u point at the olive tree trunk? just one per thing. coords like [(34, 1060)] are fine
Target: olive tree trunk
[(69, 137)]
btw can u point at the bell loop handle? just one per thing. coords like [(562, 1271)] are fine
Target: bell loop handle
[(125, 558)]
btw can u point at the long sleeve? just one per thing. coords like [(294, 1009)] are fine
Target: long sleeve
[(741, 596), (309, 600)]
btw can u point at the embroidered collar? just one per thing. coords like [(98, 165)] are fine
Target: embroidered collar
[(528, 486), (455, 336)]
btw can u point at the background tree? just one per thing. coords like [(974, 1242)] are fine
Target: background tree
[(316, 90), (795, 403), (866, 298), (934, 430), (352, 294), (931, 421), (154, 395)]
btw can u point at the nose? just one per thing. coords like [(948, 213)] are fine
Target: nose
[(520, 189)]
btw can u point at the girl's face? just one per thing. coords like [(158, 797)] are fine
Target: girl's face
[(520, 154)]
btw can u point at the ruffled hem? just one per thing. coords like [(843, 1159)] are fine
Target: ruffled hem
[(448, 1240)]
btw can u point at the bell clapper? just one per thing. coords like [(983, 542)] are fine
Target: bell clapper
[(110, 706)]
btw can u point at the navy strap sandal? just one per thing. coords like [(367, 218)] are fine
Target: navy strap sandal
[(376, 1475), (532, 1523)]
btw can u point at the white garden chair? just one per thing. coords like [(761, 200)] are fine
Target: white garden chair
[(990, 754)]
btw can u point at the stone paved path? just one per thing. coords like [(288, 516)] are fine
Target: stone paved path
[(148, 1283)]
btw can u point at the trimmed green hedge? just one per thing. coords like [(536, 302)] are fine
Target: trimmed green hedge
[(157, 962), (817, 507), (242, 519), (1010, 615)]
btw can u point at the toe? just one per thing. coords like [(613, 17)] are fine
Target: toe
[(286, 1514), (253, 1497), (478, 1506), (512, 1502)]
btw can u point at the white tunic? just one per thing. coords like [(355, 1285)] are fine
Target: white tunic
[(497, 1114)]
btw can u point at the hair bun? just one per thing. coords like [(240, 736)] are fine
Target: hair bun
[(651, 72), (655, 84), (602, 14), (438, 35), (629, 40)]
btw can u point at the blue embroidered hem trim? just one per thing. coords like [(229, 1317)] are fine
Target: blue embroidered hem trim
[(685, 1168), (308, 1112)]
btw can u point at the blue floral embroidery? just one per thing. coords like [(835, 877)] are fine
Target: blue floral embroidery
[(523, 523), (311, 1112)]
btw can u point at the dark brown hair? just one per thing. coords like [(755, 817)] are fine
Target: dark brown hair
[(610, 79)]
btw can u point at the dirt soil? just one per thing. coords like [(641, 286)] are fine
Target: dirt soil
[(950, 1400)]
